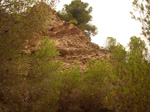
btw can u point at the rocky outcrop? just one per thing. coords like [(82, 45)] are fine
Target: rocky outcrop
[(72, 43), (70, 40)]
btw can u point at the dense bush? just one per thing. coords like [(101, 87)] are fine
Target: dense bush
[(29, 82), (96, 86), (85, 92), (70, 81), (131, 83), (27, 76)]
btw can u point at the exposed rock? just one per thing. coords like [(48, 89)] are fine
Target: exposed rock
[(71, 41), (73, 44)]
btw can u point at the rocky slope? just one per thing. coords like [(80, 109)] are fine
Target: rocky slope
[(72, 43)]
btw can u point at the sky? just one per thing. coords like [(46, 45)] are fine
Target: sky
[(113, 19)]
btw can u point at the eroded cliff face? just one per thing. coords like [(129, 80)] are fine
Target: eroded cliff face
[(72, 43), (70, 40)]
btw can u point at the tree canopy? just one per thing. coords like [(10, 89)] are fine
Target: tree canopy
[(143, 16), (79, 13), (137, 46), (110, 43)]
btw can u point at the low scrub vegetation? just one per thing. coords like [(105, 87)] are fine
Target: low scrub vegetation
[(35, 82)]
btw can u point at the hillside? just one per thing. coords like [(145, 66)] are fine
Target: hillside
[(33, 79), (72, 43)]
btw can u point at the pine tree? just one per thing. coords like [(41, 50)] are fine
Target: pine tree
[(79, 13)]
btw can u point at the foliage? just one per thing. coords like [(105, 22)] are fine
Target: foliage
[(118, 54), (80, 12), (42, 75), (17, 28), (70, 81), (120, 84), (27, 75), (138, 46), (110, 43), (31, 79), (96, 86), (28, 83), (131, 90), (13, 6), (143, 8), (73, 21), (81, 92)]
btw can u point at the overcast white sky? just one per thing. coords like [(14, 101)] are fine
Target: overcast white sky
[(112, 18)]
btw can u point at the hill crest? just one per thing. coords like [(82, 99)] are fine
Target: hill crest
[(70, 40), (72, 43)]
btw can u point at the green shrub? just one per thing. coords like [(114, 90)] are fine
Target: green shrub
[(96, 86), (73, 21), (30, 83), (131, 90), (70, 80)]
